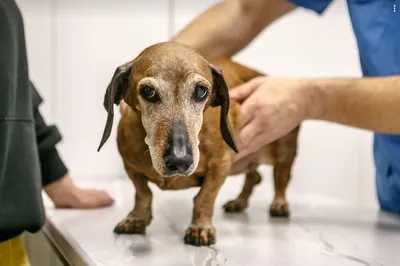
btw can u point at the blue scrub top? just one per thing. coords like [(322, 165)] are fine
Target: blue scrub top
[(376, 27)]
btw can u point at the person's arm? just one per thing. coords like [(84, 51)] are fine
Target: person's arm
[(56, 181), (47, 137), (229, 26), (368, 103), (272, 107)]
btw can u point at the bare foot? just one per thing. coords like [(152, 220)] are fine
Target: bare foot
[(65, 194)]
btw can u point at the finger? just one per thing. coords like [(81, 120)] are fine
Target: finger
[(248, 110), (122, 105), (240, 93), (243, 91), (240, 166), (247, 136), (253, 136), (244, 152)]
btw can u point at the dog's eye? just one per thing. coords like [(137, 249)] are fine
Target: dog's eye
[(149, 94), (200, 93)]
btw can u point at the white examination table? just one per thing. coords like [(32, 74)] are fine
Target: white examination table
[(321, 231)]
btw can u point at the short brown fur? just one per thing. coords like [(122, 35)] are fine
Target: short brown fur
[(216, 157)]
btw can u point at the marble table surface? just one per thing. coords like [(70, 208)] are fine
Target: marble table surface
[(321, 231)]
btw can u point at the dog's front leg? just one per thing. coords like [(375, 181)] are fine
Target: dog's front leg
[(201, 231), (138, 219)]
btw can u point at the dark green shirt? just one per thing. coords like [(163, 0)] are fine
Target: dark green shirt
[(28, 156)]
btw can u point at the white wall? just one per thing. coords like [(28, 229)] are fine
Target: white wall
[(38, 29), (74, 47)]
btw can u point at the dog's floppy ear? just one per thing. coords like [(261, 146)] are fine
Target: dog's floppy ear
[(220, 97), (115, 92)]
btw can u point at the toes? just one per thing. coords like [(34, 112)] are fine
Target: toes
[(200, 236), (235, 206), (131, 226), (279, 209)]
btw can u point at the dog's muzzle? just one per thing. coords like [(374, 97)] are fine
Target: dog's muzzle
[(178, 157)]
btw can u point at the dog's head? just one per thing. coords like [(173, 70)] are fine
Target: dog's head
[(170, 86)]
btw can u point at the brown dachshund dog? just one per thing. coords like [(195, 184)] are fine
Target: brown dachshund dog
[(178, 131)]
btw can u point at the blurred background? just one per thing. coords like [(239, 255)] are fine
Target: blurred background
[(74, 47)]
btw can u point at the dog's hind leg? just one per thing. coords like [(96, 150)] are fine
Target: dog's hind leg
[(285, 151), (279, 207), (241, 202), (140, 217)]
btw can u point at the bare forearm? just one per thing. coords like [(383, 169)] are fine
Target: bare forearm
[(367, 103), (229, 26)]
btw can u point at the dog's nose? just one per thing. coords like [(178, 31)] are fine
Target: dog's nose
[(178, 164), (178, 153), (178, 156)]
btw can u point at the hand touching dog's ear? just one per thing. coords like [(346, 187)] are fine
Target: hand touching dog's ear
[(115, 92), (220, 97)]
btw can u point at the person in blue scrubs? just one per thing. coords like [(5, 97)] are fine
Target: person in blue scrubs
[(273, 106)]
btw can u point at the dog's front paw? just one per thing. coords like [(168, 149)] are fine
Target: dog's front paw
[(131, 225), (279, 208), (200, 236), (236, 205)]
